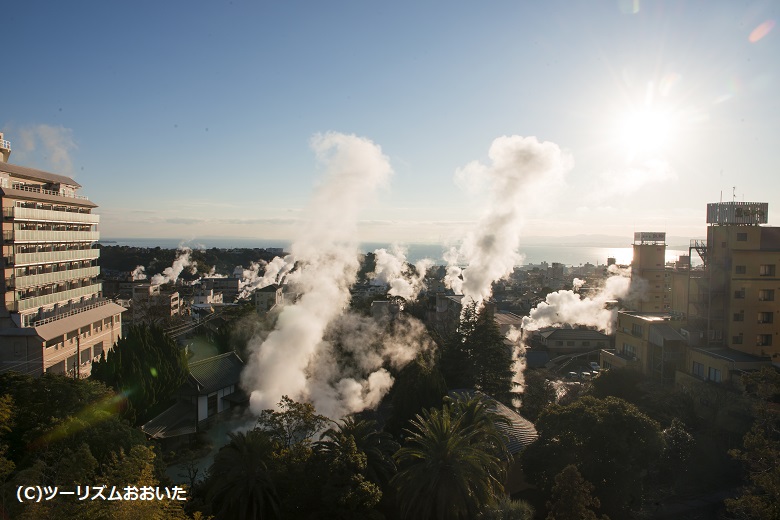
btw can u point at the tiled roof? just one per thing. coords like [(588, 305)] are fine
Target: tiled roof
[(179, 419), (563, 334), (519, 432), (211, 374)]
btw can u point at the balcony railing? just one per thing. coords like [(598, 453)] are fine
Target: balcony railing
[(48, 299), (38, 189), (59, 276), (47, 215), (38, 235), (47, 257)]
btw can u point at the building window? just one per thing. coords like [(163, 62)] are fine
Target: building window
[(714, 375), (740, 269), (766, 270), (569, 343), (739, 294), (698, 369), (629, 350), (739, 316), (764, 340), (741, 237), (636, 329), (559, 343), (736, 340), (766, 295), (766, 317), (586, 343)]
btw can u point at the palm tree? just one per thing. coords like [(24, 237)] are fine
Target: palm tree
[(378, 446), (450, 465), (241, 485)]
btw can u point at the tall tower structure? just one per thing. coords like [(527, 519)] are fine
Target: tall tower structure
[(52, 315), (648, 278)]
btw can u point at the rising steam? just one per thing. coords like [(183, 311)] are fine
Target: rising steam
[(393, 271), (571, 308), (172, 273), (299, 358), (521, 168), (139, 273)]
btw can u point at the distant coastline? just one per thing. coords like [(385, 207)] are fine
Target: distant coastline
[(564, 251)]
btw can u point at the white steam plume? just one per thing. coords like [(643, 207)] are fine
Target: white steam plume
[(171, 274), (392, 270), (295, 358), (139, 273), (568, 307), (273, 272), (521, 168)]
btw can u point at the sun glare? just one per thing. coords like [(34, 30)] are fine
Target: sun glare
[(646, 133)]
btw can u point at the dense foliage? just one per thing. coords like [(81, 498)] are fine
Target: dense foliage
[(67, 432), (146, 366), (477, 357)]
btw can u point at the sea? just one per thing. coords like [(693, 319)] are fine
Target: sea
[(572, 255)]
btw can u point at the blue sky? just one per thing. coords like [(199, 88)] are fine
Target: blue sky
[(186, 119)]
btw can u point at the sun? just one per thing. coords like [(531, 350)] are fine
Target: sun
[(646, 133)]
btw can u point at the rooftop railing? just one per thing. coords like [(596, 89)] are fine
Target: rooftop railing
[(75, 309), (38, 189)]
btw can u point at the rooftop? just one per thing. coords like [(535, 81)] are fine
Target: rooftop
[(216, 372), (37, 175), (730, 355)]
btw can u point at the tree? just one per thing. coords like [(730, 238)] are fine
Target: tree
[(610, 440), (378, 446), (538, 393), (147, 366), (294, 423), (761, 450), (449, 466), (241, 482), (419, 385), (572, 498), (507, 509), (477, 357)]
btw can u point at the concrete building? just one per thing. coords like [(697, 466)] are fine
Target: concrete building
[(648, 342), (733, 301), (53, 318), (266, 298), (648, 273), (568, 341), (151, 305)]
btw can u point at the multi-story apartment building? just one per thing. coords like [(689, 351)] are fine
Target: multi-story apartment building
[(734, 300), (53, 317)]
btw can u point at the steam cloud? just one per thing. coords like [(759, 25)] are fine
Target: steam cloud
[(568, 307), (139, 273), (393, 271), (299, 358), (171, 274), (520, 168)]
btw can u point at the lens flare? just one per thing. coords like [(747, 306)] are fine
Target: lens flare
[(761, 31)]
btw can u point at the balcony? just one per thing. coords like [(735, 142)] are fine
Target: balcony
[(49, 299), (58, 276), (47, 215), (37, 235), (5, 144), (48, 257)]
